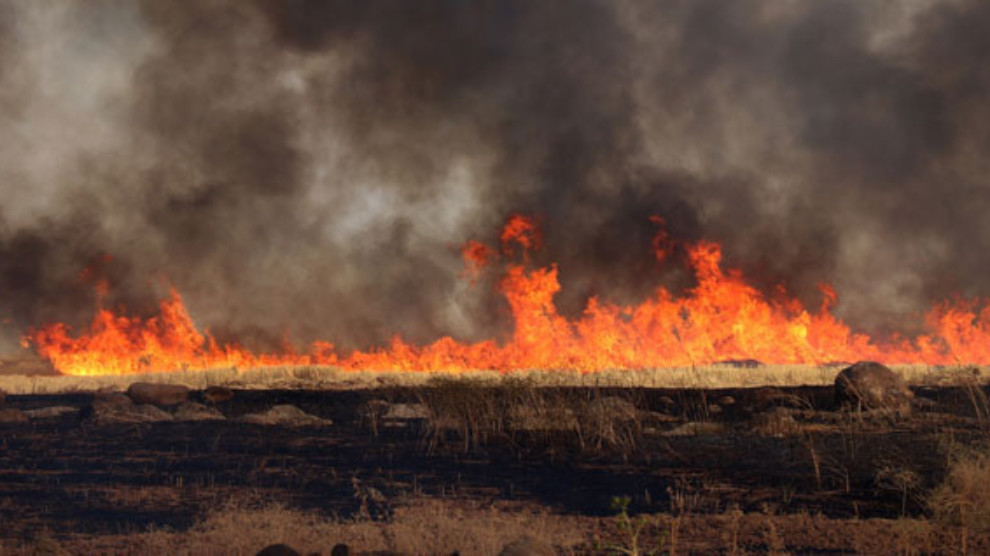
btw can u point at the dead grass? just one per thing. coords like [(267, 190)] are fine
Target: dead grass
[(442, 526), (963, 499), (331, 378), (426, 526)]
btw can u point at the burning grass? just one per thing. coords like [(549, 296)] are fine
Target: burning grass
[(720, 318)]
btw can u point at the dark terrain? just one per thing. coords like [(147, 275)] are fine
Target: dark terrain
[(776, 451)]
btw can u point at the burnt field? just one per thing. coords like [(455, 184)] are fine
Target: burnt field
[(600, 454)]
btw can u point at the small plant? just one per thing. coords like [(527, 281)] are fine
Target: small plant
[(629, 528)]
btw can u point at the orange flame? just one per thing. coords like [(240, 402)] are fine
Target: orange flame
[(721, 318)]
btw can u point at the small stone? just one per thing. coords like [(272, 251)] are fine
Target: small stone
[(407, 411), (50, 412), (286, 415), (695, 428), (11, 415), (192, 411)]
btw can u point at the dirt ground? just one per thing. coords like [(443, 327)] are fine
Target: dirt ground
[(612, 470)]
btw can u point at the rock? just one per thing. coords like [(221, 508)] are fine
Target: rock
[(872, 386), (192, 411), (217, 394), (279, 549), (394, 415), (111, 410), (727, 400), (714, 409), (11, 415), (286, 415), (528, 546), (50, 412), (768, 398), (406, 412), (158, 394), (695, 428), (111, 399)]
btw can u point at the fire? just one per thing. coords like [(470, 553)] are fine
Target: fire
[(720, 318)]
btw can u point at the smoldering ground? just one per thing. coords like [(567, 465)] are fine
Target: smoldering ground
[(309, 168)]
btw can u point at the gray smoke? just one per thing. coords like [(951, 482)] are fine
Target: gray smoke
[(308, 169)]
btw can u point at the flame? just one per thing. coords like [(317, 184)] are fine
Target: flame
[(720, 318)]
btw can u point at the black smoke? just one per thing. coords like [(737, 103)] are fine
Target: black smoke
[(309, 168)]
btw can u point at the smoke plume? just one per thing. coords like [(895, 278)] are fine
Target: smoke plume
[(307, 169)]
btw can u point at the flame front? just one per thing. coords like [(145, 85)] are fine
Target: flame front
[(721, 318)]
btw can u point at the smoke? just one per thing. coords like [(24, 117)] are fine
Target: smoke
[(308, 169)]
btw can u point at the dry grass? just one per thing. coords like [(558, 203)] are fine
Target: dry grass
[(425, 526), (331, 378), (435, 526), (963, 499)]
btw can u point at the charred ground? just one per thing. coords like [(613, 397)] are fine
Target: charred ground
[(575, 451)]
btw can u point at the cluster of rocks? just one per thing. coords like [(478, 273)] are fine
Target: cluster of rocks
[(146, 402), (864, 387)]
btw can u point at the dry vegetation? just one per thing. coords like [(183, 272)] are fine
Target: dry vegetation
[(448, 526), (14, 379), (424, 526)]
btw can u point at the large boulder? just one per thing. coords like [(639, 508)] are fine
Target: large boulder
[(871, 386), (158, 394), (285, 415)]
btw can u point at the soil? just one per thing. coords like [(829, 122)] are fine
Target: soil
[(794, 460)]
